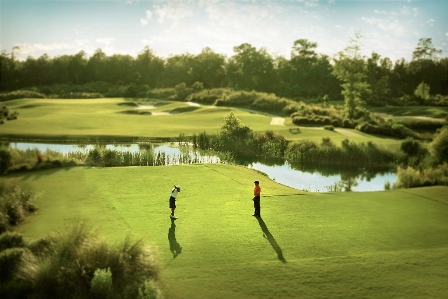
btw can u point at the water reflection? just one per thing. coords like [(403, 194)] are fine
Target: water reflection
[(303, 177), (317, 181)]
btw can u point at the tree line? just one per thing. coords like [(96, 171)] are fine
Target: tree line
[(306, 75)]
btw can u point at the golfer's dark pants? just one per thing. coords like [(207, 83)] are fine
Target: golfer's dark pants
[(257, 206)]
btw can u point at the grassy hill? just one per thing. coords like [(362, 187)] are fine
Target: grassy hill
[(390, 244)]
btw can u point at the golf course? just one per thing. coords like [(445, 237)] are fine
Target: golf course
[(386, 244), (306, 245)]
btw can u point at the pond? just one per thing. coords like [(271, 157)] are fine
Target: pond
[(313, 181)]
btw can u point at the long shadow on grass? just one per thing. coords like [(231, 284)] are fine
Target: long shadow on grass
[(174, 245), (267, 234)]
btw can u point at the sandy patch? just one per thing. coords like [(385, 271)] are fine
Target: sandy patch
[(160, 113), (348, 133), (143, 107), (278, 121), (193, 104)]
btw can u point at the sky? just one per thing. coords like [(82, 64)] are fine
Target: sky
[(391, 28)]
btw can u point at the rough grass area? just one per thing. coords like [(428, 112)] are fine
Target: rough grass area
[(390, 244)]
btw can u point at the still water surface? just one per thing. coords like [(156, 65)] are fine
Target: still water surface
[(283, 174)]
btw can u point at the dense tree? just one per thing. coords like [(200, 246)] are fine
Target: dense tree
[(306, 75), (378, 74), (209, 68), (148, 68), (9, 71), (350, 69), (119, 69), (251, 69), (96, 67), (423, 64), (178, 69)]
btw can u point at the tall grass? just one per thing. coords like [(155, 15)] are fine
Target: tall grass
[(409, 177), (15, 204), (79, 264)]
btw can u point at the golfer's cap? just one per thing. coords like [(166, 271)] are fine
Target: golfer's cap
[(178, 188), (257, 182)]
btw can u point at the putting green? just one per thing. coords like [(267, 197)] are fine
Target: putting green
[(307, 245)]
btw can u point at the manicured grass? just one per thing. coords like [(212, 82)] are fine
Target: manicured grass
[(390, 244), (106, 117), (96, 118)]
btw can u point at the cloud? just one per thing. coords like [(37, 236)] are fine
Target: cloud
[(105, 40), (409, 11), (174, 11), (389, 25), (430, 22), (446, 34), (23, 50), (148, 17), (312, 3)]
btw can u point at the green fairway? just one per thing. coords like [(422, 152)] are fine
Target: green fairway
[(390, 244), (119, 117)]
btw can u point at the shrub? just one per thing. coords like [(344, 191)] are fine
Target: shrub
[(5, 160), (422, 124), (11, 240), (20, 94), (79, 264), (208, 96), (10, 262), (411, 147), (42, 247), (14, 204), (94, 157), (161, 93), (197, 86), (182, 92), (348, 123), (409, 178), (110, 158), (439, 146), (149, 291), (101, 283)]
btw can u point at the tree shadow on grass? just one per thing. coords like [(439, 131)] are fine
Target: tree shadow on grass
[(267, 234), (174, 245)]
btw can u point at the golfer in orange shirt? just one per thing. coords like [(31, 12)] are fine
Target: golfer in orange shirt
[(256, 199)]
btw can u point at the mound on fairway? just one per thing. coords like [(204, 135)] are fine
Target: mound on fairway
[(306, 245)]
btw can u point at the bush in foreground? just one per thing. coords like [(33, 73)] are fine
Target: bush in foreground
[(76, 263), (15, 204)]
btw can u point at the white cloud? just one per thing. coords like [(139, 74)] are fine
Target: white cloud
[(105, 40), (446, 34), (381, 12), (23, 50), (144, 22), (430, 22), (312, 3), (174, 11), (148, 17), (389, 25), (409, 11)]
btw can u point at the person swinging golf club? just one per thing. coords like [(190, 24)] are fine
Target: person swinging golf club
[(173, 197)]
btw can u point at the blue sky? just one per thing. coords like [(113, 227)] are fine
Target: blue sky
[(56, 27)]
